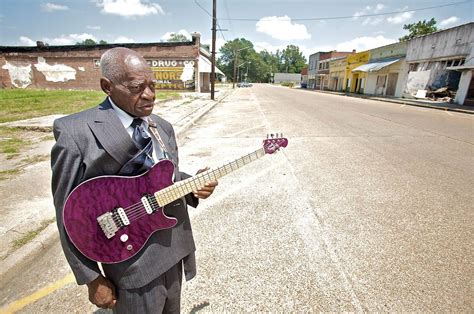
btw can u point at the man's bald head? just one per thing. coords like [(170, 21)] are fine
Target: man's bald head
[(113, 61)]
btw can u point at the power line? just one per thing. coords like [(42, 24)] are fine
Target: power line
[(228, 16), (208, 13), (351, 16)]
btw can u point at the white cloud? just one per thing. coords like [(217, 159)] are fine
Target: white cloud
[(400, 18), (282, 28), (51, 7), (370, 20), (123, 40), (129, 8), (364, 43), (93, 27), (70, 39), (25, 41), (449, 21), (181, 32)]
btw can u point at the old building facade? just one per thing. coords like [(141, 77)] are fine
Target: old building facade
[(386, 70), (175, 65), (440, 60)]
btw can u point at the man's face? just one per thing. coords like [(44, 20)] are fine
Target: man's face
[(135, 90)]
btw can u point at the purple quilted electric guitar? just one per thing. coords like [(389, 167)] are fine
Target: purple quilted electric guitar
[(110, 218)]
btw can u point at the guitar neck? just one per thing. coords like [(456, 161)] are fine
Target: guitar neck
[(182, 188)]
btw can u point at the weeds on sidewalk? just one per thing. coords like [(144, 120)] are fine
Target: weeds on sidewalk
[(15, 140), (27, 237)]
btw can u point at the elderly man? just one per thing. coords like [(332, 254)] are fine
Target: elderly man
[(103, 141)]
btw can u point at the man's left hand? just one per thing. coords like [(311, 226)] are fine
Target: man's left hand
[(207, 189)]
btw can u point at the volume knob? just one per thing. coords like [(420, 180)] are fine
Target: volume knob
[(124, 238)]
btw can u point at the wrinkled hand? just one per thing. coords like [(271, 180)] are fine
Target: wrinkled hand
[(102, 293), (208, 189)]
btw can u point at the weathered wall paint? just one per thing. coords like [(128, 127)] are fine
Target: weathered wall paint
[(20, 74), (188, 72), (81, 69), (417, 80), (55, 73)]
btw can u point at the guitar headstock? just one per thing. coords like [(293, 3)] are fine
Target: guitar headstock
[(274, 142)]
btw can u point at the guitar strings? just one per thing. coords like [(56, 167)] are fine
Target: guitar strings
[(136, 211)]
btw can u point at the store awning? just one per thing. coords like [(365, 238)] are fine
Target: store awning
[(375, 66), (205, 66)]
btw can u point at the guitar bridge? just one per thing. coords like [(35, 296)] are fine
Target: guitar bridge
[(107, 224)]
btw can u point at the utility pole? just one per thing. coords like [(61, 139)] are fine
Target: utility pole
[(213, 52), (235, 67)]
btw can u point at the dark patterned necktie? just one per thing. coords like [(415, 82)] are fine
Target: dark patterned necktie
[(143, 143), (143, 159)]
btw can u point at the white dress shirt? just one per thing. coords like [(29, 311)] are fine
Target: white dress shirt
[(127, 120)]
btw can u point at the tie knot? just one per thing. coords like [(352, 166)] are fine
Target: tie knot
[(136, 123)]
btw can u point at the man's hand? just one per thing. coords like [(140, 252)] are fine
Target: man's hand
[(207, 190), (102, 293)]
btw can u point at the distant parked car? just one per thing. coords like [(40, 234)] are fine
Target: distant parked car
[(244, 84)]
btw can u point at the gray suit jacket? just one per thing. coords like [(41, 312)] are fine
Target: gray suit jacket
[(93, 143)]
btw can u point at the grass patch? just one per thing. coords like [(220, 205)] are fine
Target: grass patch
[(27, 237), (19, 104), (34, 159), (12, 140), (6, 174), (47, 138)]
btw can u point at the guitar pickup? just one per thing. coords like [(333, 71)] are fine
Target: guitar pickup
[(107, 224), (148, 204)]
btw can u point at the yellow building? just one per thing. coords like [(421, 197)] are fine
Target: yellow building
[(355, 81), (337, 74)]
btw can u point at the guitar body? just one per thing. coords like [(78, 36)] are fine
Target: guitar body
[(101, 195)]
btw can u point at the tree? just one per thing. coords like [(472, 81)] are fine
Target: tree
[(419, 28), (91, 42), (291, 59), (240, 47), (175, 37)]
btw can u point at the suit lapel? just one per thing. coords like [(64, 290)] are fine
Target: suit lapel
[(111, 134)]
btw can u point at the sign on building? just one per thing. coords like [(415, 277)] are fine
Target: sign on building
[(173, 74)]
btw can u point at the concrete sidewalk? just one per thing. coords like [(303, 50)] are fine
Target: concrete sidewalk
[(405, 101), (27, 201)]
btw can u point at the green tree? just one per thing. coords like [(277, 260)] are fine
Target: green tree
[(175, 37), (91, 42), (419, 28), (240, 48), (291, 59)]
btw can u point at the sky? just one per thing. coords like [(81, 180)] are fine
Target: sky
[(268, 24)]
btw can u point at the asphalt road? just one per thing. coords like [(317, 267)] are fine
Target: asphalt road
[(369, 208)]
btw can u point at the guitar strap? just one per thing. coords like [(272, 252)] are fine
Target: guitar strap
[(154, 132)]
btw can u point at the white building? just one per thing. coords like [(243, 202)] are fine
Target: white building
[(442, 59)]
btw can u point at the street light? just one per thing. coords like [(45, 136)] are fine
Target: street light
[(236, 58), (239, 78)]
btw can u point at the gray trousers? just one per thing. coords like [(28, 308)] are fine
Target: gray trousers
[(162, 295)]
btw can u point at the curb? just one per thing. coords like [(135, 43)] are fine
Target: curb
[(396, 101), (45, 239), (28, 252), (200, 113)]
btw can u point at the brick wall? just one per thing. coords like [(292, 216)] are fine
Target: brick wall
[(81, 59)]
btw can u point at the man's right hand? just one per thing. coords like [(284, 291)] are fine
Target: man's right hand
[(102, 293)]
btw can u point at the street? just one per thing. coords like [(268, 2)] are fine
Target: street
[(369, 208)]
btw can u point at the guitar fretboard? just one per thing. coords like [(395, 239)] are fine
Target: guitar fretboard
[(182, 188)]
